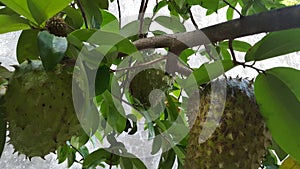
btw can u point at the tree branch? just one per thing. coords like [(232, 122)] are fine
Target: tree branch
[(275, 20)]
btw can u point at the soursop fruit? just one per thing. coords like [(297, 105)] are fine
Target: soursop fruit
[(57, 26), (39, 109), (240, 138), (146, 81)]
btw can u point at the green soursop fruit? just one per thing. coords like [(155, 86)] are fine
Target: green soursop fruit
[(39, 109), (145, 81), (240, 138)]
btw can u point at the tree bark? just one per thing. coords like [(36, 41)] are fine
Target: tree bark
[(275, 20)]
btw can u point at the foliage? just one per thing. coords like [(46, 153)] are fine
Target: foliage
[(276, 89)]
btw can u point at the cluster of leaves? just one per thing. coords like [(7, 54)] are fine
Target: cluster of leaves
[(276, 89)]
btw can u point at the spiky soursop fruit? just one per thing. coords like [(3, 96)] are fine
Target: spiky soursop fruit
[(39, 109), (144, 82), (240, 139), (57, 26)]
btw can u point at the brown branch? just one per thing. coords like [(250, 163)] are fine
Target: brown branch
[(119, 13), (275, 20), (82, 13)]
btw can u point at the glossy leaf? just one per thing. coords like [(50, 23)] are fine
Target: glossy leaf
[(73, 18), (210, 71), (133, 28), (19, 6), (115, 115), (210, 4), (278, 95), (109, 23), (172, 23), (159, 5), (93, 14), (125, 163), (281, 154), (71, 157), (51, 49), (27, 47), (102, 79), (43, 10), (95, 158), (167, 159), (12, 23), (62, 153), (237, 45), (275, 44)]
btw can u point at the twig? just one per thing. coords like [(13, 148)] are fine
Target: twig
[(232, 52), (82, 13), (141, 65), (233, 8), (119, 11), (142, 11), (193, 19), (126, 77)]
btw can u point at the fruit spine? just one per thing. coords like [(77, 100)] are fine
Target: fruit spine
[(39, 109), (240, 139)]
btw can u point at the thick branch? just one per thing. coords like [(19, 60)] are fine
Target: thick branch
[(275, 20)]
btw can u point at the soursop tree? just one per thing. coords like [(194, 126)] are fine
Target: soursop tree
[(78, 66)]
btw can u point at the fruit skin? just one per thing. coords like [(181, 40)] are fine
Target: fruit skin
[(145, 81), (57, 26), (240, 139), (39, 109)]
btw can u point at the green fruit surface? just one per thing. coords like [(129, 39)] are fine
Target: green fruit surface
[(240, 139), (39, 109)]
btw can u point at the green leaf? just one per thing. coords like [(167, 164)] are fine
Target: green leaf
[(229, 13), (19, 6), (172, 108), (173, 23), (79, 141), (109, 23), (43, 10), (281, 154), (73, 18), (210, 71), (102, 79), (237, 45), (278, 95), (12, 23), (138, 163), (179, 3), (133, 118), (103, 4), (116, 114), (275, 44), (95, 158), (126, 163), (167, 159), (184, 55), (93, 13), (62, 153), (27, 47), (159, 5), (194, 2), (133, 28), (156, 145), (210, 4), (71, 157), (51, 49)]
